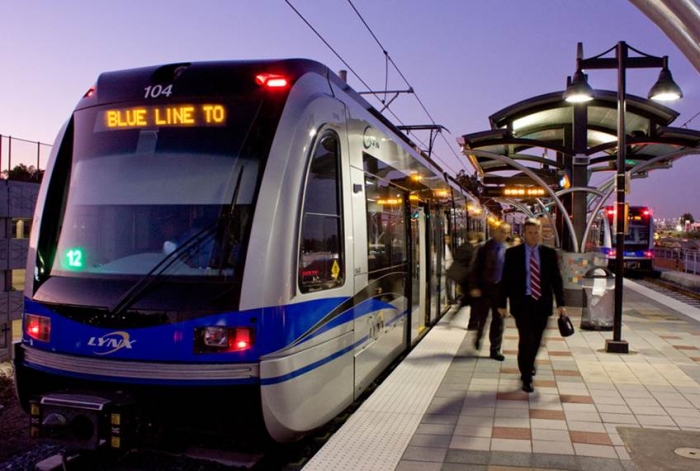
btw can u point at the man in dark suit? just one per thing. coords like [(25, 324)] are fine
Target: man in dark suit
[(484, 280), (531, 281)]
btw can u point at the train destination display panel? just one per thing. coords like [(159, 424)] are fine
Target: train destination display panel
[(180, 115)]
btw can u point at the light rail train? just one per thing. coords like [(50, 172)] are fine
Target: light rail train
[(222, 238), (639, 238)]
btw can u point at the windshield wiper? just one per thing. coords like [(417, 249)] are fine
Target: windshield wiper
[(158, 271)]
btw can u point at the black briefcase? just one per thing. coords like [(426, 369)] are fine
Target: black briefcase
[(566, 327)]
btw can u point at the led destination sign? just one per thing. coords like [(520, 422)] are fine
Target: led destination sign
[(182, 115)]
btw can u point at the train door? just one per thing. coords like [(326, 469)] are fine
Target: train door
[(419, 272), (437, 255), (381, 329), (443, 303)]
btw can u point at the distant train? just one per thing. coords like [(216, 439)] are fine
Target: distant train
[(218, 238), (639, 238)]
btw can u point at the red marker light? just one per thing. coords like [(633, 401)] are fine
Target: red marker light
[(215, 339), (90, 92), (38, 327), (241, 339), (271, 80)]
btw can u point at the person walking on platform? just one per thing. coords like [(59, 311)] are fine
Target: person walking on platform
[(447, 261), (484, 281), (459, 270), (531, 281)]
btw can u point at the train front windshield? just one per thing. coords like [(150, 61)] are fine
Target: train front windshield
[(145, 199), (640, 231), (637, 233)]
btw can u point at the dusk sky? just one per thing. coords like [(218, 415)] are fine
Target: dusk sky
[(466, 59)]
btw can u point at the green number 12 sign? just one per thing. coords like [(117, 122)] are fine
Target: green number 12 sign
[(75, 258)]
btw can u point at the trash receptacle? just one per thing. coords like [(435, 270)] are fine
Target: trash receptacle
[(598, 299)]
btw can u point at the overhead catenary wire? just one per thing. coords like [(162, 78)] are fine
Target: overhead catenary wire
[(415, 94), (685, 125), (327, 44), (388, 57), (388, 60)]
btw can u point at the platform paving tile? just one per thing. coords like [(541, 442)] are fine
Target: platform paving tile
[(600, 451), (439, 419), (552, 447), (687, 423), (506, 444), (484, 431), (427, 440), (613, 408), (506, 458), (422, 453), (582, 416), (435, 429), (555, 461), (475, 421), (580, 426), (470, 443), (466, 467)]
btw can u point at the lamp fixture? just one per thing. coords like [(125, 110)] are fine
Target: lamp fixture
[(665, 89), (577, 89)]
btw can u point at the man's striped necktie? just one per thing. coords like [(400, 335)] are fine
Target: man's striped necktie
[(535, 285)]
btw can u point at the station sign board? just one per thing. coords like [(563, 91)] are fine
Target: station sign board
[(515, 192)]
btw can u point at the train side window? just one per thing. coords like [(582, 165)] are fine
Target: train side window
[(321, 261), (386, 226)]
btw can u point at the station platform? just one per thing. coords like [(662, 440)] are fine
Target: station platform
[(450, 407)]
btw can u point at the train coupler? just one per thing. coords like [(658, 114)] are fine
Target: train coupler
[(84, 421)]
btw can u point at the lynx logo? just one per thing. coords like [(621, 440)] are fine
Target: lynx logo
[(369, 139), (113, 341)]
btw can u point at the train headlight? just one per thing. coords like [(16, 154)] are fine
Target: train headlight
[(37, 327), (216, 337), (223, 339)]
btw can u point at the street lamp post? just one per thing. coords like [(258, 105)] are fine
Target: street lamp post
[(578, 91)]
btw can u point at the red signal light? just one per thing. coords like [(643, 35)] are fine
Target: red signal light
[(241, 339), (220, 339), (37, 327), (272, 80)]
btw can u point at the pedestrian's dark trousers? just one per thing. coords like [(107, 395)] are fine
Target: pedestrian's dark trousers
[(531, 325), (480, 313)]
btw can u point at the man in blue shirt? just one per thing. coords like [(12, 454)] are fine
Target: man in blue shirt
[(532, 282)]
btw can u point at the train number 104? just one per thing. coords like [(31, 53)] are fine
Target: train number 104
[(158, 90)]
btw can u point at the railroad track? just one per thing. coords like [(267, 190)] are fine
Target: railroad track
[(672, 290)]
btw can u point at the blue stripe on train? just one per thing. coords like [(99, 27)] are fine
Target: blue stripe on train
[(276, 328)]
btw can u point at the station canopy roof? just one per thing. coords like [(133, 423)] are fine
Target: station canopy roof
[(527, 131)]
